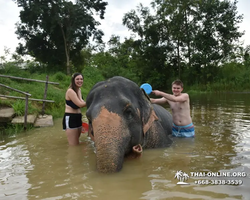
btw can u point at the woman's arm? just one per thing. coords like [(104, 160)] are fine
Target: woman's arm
[(80, 94), (71, 95)]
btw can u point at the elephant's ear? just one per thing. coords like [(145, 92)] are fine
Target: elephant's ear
[(152, 117), (148, 113), (145, 94)]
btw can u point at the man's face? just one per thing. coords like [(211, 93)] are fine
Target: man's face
[(176, 89)]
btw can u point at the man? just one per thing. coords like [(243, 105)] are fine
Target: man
[(180, 106)]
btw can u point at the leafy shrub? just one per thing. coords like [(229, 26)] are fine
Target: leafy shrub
[(59, 76), (14, 70), (19, 107)]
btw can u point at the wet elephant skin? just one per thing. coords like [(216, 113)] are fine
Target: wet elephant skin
[(122, 122)]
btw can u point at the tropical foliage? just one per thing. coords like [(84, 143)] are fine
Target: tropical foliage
[(55, 31), (185, 38), (196, 41)]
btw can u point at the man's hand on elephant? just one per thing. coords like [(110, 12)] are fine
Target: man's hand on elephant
[(156, 92)]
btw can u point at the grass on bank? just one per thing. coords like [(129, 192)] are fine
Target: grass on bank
[(36, 89), (231, 78)]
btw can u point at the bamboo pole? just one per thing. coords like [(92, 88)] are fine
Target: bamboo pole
[(25, 93), (31, 99), (27, 79), (45, 93), (26, 112)]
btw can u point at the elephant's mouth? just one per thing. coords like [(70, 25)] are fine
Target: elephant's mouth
[(91, 132), (136, 152), (137, 149)]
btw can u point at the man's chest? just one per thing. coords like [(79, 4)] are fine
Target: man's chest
[(177, 106)]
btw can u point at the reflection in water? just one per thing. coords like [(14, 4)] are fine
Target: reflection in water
[(14, 165), (39, 164)]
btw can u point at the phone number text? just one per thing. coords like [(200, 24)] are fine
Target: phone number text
[(218, 182)]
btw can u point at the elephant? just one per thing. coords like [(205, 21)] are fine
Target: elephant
[(123, 121)]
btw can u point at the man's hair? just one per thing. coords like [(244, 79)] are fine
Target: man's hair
[(178, 82), (73, 84)]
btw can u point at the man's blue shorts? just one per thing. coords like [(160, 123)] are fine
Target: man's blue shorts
[(183, 131)]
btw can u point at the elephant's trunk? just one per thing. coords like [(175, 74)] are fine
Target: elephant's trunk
[(111, 139)]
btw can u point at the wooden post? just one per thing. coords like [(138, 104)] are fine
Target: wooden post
[(45, 93), (26, 112), (27, 94)]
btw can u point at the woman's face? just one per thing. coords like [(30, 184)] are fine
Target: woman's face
[(79, 81)]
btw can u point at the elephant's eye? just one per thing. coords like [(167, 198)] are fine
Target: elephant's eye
[(128, 113)]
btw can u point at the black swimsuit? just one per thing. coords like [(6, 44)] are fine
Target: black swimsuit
[(71, 104), (72, 120)]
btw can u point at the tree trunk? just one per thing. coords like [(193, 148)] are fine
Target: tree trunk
[(188, 39), (178, 57), (66, 51)]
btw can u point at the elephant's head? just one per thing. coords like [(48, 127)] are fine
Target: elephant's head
[(119, 115)]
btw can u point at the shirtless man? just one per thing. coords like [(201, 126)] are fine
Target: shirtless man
[(180, 106)]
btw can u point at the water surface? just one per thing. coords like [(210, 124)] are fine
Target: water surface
[(39, 164)]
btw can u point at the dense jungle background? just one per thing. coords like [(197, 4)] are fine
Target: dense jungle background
[(197, 41)]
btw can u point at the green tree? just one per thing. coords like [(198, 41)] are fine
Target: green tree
[(153, 48), (174, 16), (246, 56), (192, 37), (116, 60), (217, 36), (55, 31)]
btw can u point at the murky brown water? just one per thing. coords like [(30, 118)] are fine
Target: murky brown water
[(40, 165)]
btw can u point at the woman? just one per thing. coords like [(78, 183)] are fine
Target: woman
[(72, 120)]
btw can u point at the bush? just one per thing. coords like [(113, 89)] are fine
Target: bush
[(19, 107), (59, 76)]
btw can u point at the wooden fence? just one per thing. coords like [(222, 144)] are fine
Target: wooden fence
[(27, 95)]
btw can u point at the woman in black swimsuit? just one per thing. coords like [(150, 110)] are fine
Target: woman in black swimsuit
[(72, 120)]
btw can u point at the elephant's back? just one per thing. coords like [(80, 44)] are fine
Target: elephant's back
[(165, 117)]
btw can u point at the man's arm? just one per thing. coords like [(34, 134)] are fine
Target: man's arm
[(158, 101), (183, 97)]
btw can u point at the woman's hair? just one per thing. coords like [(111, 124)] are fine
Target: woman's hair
[(73, 84)]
